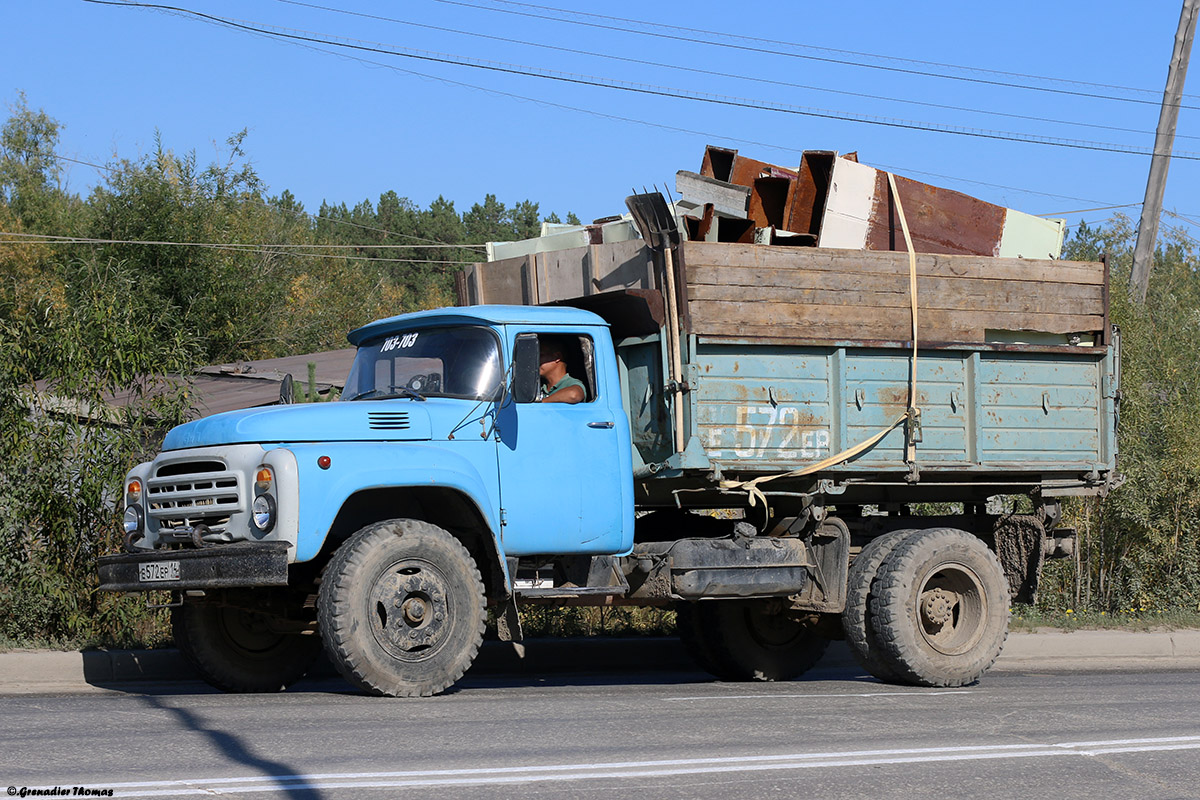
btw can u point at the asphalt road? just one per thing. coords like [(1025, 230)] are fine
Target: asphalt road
[(654, 736)]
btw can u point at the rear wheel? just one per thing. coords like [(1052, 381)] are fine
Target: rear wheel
[(237, 650), (857, 621), (940, 608), (695, 643), (401, 609), (754, 640)]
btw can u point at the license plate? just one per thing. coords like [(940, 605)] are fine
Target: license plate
[(159, 571)]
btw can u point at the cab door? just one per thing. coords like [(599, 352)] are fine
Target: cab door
[(566, 481)]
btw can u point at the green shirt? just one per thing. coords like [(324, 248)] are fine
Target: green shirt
[(566, 381)]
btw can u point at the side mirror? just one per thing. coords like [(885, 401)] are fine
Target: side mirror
[(525, 369), (286, 390)]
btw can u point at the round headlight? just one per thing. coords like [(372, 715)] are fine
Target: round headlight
[(133, 519), (263, 512)]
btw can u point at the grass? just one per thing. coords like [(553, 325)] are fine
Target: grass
[(1029, 619)]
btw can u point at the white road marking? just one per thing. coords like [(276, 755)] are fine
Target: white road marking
[(817, 696), (638, 769)]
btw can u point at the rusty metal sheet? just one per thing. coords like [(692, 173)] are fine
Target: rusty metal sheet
[(940, 220), (768, 201), (860, 213), (807, 203), (718, 163), (728, 165)]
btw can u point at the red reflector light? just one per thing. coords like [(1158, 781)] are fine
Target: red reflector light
[(324, 461)]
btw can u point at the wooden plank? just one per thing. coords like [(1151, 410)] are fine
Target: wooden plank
[(939, 324), (964, 295), (806, 335), (735, 276), (862, 262), (804, 280), (762, 259), (500, 281), (798, 339)]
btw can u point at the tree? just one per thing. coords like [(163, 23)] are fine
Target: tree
[(526, 222), (30, 170), (66, 448), (487, 222), (1141, 545), (228, 291)]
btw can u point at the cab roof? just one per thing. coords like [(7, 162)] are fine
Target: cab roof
[(479, 315)]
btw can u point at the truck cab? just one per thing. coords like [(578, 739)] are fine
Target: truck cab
[(439, 437)]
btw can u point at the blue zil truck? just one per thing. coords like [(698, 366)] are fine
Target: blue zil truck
[(772, 442)]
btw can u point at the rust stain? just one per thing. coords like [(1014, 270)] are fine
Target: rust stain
[(894, 400), (804, 420), (940, 220)]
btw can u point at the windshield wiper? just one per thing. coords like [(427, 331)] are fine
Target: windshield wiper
[(390, 391)]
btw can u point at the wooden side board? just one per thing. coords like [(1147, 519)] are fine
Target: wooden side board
[(837, 295), (559, 275), (817, 294)]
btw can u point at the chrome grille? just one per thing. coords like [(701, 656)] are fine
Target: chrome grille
[(178, 497)]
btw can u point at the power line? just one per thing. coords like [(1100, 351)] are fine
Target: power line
[(717, 73), (662, 126), (763, 50), (1086, 210), (1186, 218), (799, 45), (646, 89), (261, 249)]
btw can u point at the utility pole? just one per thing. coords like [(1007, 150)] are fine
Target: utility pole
[(1164, 141)]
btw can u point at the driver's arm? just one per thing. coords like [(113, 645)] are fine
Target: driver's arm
[(567, 394)]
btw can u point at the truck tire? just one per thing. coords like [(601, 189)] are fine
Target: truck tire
[(939, 603), (746, 640), (857, 621), (401, 609), (235, 650)]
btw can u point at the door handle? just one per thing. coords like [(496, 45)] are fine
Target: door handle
[(600, 424)]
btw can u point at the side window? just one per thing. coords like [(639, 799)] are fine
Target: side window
[(566, 363)]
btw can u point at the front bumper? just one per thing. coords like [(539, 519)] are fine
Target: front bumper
[(226, 566)]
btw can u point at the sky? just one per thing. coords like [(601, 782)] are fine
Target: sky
[(572, 105)]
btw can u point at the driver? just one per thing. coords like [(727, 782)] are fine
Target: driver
[(557, 385)]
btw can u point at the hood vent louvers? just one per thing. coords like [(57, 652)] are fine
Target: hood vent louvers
[(388, 420)]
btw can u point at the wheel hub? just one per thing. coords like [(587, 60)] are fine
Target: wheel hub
[(937, 606), (411, 611), (952, 609)]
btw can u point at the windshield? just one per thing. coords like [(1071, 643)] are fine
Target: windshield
[(439, 362)]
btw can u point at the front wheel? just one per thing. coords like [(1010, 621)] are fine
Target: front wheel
[(939, 603), (238, 650), (401, 609)]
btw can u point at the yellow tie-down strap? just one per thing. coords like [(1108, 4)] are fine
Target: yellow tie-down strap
[(911, 416)]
